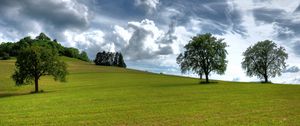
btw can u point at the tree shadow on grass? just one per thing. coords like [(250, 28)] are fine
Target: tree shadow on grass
[(209, 83), (176, 85), (186, 84), (12, 94)]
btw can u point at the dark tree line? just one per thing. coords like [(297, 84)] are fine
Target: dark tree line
[(8, 49), (110, 59)]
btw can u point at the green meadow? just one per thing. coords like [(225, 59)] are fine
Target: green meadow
[(97, 95)]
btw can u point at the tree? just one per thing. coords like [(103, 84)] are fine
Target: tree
[(264, 60), (71, 52), (121, 62), (83, 56), (4, 56), (34, 62), (204, 54), (110, 59)]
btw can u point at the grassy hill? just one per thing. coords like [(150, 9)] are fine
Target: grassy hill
[(96, 95)]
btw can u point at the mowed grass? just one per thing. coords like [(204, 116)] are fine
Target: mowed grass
[(96, 95)]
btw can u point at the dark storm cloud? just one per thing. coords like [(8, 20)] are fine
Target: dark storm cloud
[(296, 48), (169, 37), (217, 15), (165, 50), (268, 15), (52, 17), (298, 8), (118, 9), (288, 27), (56, 14)]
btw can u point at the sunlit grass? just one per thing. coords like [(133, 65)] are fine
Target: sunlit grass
[(96, 95)]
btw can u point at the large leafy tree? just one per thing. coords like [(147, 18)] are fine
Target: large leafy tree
[(34, 62), (264, 59), (204, 54)]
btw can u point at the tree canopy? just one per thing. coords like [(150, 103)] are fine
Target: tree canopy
[(110, 59), (264, 60), (34, 62), (204, 54), (14, 48)]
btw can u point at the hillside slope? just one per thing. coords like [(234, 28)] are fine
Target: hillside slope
[(96, 95)]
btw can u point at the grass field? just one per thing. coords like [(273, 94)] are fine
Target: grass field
[(96, 95)]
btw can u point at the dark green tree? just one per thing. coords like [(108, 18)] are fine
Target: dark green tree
[(34, 62), (204, 54), (71, 52), (4, 56), (43, 36), (83, 56), (121, 62), (264, 60), (110, 59)]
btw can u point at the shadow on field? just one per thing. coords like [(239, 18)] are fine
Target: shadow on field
[(176, 85), (4, 95), (185, 84), (210, 83)]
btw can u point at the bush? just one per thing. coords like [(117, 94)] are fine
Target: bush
[(4, 56)]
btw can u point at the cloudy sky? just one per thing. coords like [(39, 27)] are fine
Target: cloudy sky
[(151, 33)]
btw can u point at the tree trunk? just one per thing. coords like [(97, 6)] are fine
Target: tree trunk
[(200, 76), (36, 84), (206, 78), (266, 79)]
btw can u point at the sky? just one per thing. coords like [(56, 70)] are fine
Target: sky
[(151, 33)]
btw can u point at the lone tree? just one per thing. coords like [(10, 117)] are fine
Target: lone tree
[(264, 60), (34, 62), (204, 54)]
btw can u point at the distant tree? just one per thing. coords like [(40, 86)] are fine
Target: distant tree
[(4, 56), (34, 62), (6, 50), (204, 54), (109, 59), (43, 36), (83, 56), (116, 59), (71, 52), (264, 60), (121, 62)]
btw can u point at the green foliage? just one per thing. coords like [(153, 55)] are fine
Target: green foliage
[(121, 62), (4, 56), (110, 59), (42, 40), (34, 62), (204, 54), (71, 52), (83, 56), (264, 60)]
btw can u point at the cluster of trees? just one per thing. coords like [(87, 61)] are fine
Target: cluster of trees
[(110, 59), (9, 49), (205, 54)]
